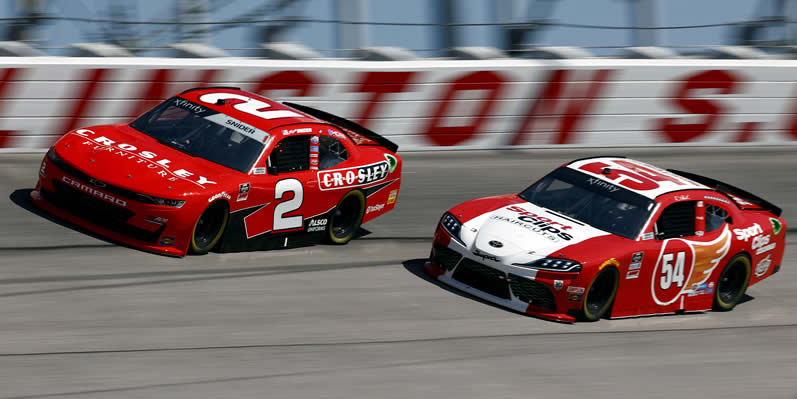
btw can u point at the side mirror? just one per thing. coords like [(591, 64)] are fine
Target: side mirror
[(271, 169)]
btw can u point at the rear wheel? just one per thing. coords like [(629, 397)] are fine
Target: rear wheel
[(600, 295), (209, 227), (732, 283), (346, 218)]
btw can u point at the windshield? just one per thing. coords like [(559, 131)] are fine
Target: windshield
[(201, 132), (605, 206)]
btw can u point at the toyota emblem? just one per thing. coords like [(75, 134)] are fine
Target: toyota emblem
[(496, 244)]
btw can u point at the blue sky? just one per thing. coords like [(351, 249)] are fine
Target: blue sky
[(322, 36)]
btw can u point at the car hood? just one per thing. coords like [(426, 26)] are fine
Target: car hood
[(121, 156), (524, 232)]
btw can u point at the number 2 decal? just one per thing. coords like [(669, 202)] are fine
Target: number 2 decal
[(672, 274), (281, 222)]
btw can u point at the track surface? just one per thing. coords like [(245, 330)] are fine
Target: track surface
[(80, 317)]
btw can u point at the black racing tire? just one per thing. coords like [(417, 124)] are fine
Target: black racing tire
[(209, 227), (600, 294), (346, 218), (732, 283)]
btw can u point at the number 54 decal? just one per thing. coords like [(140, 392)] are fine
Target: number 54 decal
[(683, 263)]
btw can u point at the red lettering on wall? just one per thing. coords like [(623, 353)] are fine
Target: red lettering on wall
[(93, 78), (379, 84), (722, 81), (8, 75), (550, 102), (301, 82), (442, 135)]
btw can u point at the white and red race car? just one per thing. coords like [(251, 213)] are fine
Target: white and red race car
[(610, 236)]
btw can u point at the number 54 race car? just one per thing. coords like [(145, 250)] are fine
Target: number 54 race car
[(221, 168), (610, 236)]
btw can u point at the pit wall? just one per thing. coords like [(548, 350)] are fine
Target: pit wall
[(431, 104)]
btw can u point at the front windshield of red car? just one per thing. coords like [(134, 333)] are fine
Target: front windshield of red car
[(607, 207), (204, 133)]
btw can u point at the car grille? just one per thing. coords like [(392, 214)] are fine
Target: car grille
[(483, 278), (447, 258), (494, 282), (76, 173), (531, 291), (97, 211)]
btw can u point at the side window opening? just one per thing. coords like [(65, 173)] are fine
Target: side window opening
[(292, 154), (677, 220), (330, 152), (715, 217)]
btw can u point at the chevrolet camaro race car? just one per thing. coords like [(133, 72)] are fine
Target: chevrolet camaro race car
[(221, 168), (611, 237)]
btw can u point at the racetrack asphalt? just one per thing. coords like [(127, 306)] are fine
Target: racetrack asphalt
[(82, 317)]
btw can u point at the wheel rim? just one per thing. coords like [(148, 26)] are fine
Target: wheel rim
[(731, 284), (600, 293), (346, 217), (208, 227)]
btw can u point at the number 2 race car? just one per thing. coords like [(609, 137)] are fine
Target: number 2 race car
[(610, 236), (221, 168)]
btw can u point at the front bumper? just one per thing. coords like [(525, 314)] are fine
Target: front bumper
[(536, 293), (147, 227)]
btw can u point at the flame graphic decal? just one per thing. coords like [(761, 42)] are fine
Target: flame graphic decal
[(708, 256)]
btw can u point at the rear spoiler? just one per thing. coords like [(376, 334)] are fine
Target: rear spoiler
[(348, 125), (733, 191)]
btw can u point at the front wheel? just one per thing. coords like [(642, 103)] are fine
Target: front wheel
[(732, 283), (600, 295), (209, 227), (346, 218)]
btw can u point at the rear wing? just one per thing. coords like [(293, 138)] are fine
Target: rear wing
[(737, 194), (349, 126)]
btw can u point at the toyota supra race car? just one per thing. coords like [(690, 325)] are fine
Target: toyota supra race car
[(611, 237), (220, 168)]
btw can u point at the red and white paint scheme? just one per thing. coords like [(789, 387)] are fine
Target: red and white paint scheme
[(610, 236), (254, 162)]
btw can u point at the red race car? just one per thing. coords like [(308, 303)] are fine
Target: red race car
[(610, 236), (221, 168)]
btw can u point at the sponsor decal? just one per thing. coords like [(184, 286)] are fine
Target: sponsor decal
[(161, 219), (374, 208), (238, 126), (558, 284), (295, 131), (763, 266), (159, 165), (392, 161), (576, 290), (682, 197), (243, 192), (635, 266), (197, 109), (698, 289), (486, 256), (391, 198), (496, 244), (93, 191), (637, 257), (648, 236), (317, 225), (352, 177), (741, 201), (594, 181), (746, 233), (43, 167), (710, 288), (776, 225), (718, 199), (260, 171), (335, 133), (632, 274), (542, 225), (222, 194), (166, 241), (575, 297)]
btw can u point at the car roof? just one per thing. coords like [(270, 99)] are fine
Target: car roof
[(629, 171), (254, 120)]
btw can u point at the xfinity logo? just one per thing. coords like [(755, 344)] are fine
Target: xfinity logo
[(602, 184), (93, 191)]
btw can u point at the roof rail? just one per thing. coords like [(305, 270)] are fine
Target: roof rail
[(210, 87)]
